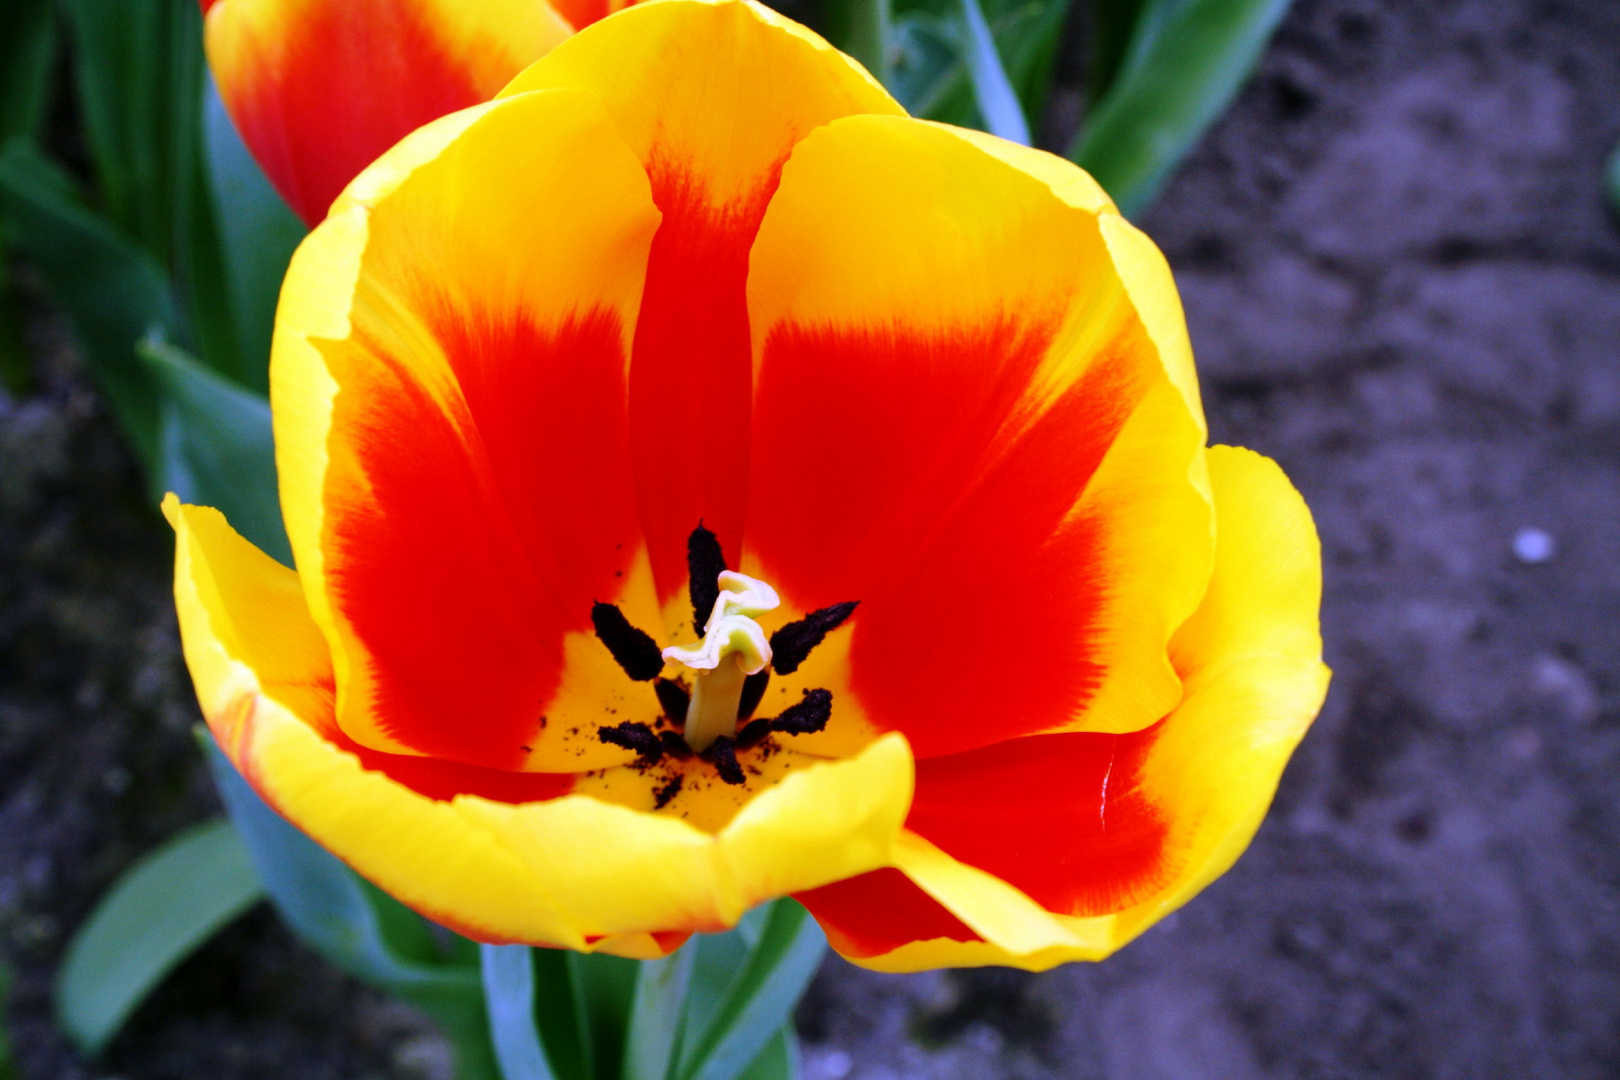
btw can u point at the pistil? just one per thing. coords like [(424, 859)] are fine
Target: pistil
[(733, 648)]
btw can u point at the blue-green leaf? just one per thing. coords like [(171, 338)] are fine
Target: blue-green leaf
[(217, 447), (928, 62), (931, 47), (779, 1060), (113, 293), (164, 907), (257, 235), (357, 926), (508, 973), (655, 1015), (759, 998), (992, 89), (1188, 68)]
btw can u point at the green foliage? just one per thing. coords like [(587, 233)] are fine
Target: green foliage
[(932, 44), (27, 49), (754, 998), (216, 447), (1611, 180), (257, 235), (719, 1009), (162, 909), (113, 292), (7, 1070), (992, 89), (139, 81), (1184, 63)]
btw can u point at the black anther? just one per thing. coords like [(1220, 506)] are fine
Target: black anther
[(722, 754), (633, 736), (808, 716), (754, 731), (634, 649), (791, 644), (673, 699), (704, 564), (674, 745), (753, 689)]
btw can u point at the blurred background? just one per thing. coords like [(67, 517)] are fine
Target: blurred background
[(1403, 282)]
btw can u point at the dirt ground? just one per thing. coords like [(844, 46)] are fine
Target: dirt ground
[(1403, 284)]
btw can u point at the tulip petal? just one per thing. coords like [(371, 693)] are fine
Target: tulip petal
[(448, 383), (320, 89), (713, 147), (963, 420), (1065, 847), (572, 871)]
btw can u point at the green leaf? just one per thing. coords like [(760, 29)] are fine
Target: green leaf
[(257, 235), (1611, 180), (1113, 29), (217, 446), (779, 1060), (758, 998), (655, 1016), (928, 62), (508, 973), (356, 926), (867, 35), (113, 293), (27, 49), (1198, 57), (992, 89), (604, 989), (930, 73), (164, 907), (139, 66)]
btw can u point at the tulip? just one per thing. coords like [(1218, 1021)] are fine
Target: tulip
[(709, 484), (319, 88)]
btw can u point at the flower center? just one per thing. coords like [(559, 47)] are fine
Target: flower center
[(733, 648)]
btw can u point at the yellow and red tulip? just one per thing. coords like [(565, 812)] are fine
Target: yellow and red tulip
[(319, 88), (694, 295)]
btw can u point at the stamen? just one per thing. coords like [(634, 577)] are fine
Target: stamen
[(672, 697), (674, 745), (733, 647), (753, 690), (705, 562), (808, 716), (722, 755), (753, 732), (634, 649), (634, 736), (791, 644)]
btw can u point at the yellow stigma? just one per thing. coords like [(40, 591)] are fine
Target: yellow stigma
[(733, 648)]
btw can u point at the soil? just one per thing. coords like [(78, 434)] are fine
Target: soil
[(1403, 284)]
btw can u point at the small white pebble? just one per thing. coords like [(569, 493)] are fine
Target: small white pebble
[(1534, 546)]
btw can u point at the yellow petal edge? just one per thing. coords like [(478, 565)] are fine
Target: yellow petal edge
[(1250, 658), (573, 872)]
